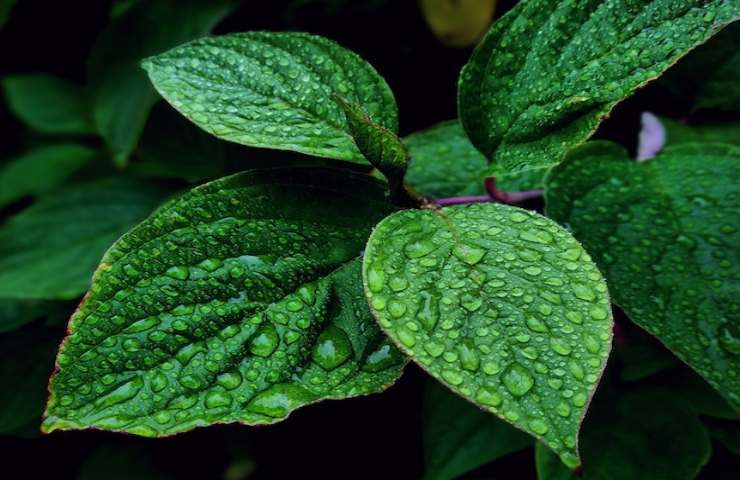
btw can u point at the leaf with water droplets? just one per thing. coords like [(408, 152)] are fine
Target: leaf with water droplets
[(239, 301), (549, 71), (458, 437), (665, 232), (445, 164), (501, 305), (273, 90), (381, 147)]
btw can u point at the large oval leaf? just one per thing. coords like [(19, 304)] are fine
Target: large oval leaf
[(238, 302), (665, 232), (549, 71), (500, 304), (273, 90)]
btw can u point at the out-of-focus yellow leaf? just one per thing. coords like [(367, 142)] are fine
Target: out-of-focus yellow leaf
[(458, 23)]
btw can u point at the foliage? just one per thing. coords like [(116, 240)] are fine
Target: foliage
[(594, 326)]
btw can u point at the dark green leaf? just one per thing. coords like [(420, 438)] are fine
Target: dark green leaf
[(6, 7), (26, 359), (39, 170), (709, 76), (549, 71), (48, 104), (123, 96), (500, 304), (677, 132), (239, 301), (445, 164), (728, 434), (458, 437), (703, 399), (649, 434), (381, 147), (15, 313), (50, 250), (273, 90), (665, 232)]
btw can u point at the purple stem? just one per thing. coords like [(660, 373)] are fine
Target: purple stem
[(494, 195)]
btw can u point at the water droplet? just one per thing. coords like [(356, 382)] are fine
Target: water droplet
[(538, 426), (178, 272), (488, 396), (435, 349), (419, 248), (517, 380), (560, 346), (468, 254), (217, 399), (469, 358), (375, 278), (265, 341), (332, 348), (453, 377), (428, 313), (406, 336), (279, 400)]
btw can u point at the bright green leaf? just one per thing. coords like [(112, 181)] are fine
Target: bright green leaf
[(273, 90), (677, 132), (239, 301), (48, 104), (123, 96), (458, 437), (39, 170), (648, 433), (665, 232), (50, 249), (381, 147), (26, 359), (549, 71), (500, 304)]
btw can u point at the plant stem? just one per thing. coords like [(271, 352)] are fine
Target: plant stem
[(494, 195)]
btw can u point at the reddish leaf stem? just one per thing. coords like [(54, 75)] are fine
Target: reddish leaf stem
[(494, 195)]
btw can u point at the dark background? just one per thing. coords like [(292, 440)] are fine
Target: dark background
[(372, 437)]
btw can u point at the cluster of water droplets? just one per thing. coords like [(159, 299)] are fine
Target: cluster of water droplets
[(502, 305)]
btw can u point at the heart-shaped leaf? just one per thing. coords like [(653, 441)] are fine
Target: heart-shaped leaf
[(273, 90), (240, 301), (500, 304), (665, 232), (549, 71)]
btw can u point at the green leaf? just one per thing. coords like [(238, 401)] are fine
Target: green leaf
[(665, 232), (458, 437), (26, 358), (647, 433), (50, 250), (15, 313), (677, 132), (728, 434), (704, 399), (709, 76), (48, 104), (273, 90), (549, 71), (444, 163), (123, 96), (642, 356), (501, 305), (239, 301), (39, 170), (381, 147)]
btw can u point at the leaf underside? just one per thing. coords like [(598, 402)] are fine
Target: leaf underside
[(238, 302), (524, 104), (273, 90), (501, 305), (665, 234)]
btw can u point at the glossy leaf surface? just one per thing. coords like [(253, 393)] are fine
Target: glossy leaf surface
[(525, 103), (239, 301), (501, 305), (273, 90), (665, 232)]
